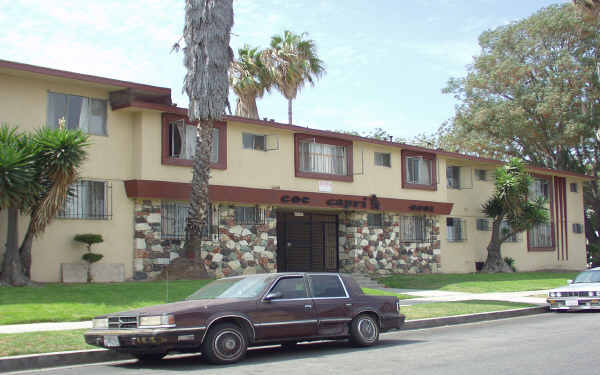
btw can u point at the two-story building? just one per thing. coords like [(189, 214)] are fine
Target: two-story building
[(283, 197)]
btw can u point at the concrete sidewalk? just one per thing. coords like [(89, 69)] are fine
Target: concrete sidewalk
[(429, 296)]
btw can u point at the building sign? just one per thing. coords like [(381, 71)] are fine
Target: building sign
[(415, 207), (370, 202), (348, 203)]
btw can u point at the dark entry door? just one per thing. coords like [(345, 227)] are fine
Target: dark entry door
[(307, 243)]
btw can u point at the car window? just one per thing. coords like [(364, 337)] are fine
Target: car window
[(235, 287), (291, 287), (588, 277), (326, 286)]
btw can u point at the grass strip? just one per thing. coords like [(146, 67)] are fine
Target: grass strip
[(439, 309), (480, 282), (42, 342)]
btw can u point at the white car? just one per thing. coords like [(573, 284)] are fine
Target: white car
[(583, 293)]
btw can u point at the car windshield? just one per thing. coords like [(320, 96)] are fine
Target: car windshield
[(588, 277), (234, 287)]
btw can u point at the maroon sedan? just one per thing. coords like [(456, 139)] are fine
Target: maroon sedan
[(226, 316)]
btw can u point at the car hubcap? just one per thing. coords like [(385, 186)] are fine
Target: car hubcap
[(228, 344), (367, 329)]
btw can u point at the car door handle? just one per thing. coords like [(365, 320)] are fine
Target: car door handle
[(308, 307), (348, 305)]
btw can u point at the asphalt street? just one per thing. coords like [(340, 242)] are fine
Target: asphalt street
[(542, 344)]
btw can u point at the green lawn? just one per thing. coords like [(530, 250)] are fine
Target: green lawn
[(45, 342), (480, 282), (439, 309), (76, 302), (70, 303)]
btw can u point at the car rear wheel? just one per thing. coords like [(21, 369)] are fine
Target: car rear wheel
[(225, 343), (364, 330), (150, 356)]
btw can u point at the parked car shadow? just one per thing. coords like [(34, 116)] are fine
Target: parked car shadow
[(268, 354)]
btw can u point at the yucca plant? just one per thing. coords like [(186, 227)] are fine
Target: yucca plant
[(510, 203), (37, 170)]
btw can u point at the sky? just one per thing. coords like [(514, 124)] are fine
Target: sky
[(387, 60)]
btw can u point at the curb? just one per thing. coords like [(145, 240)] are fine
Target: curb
[(38, 361), (472, 318)]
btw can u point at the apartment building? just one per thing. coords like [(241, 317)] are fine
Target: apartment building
[(283, 197)]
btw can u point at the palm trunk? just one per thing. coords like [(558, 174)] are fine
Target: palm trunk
[(246, 107), (199, 199), (25, 251), (290, 111), (494, 262), (12, 269)]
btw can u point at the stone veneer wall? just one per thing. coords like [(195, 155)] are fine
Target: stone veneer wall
[(238, 249), (378, 250)]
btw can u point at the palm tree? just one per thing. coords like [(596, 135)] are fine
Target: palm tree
[(207, 57), (249, 80), (36, 171), (293, 61), (510, 203)]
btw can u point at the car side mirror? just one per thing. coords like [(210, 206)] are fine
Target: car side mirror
[(272, 296), (569, 281)]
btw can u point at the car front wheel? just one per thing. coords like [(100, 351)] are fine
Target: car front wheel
[(225, 343), (364, 330)]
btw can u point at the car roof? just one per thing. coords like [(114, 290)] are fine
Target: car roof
[(278, 274)]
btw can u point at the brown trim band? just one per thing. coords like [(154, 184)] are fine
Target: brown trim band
[(82, 77), (289, 198)]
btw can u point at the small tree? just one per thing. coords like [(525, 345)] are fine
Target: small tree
[(90, 239), (510, 203)]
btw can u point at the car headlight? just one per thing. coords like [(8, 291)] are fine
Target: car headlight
[(157, 320), (552, 294), (100, 323)]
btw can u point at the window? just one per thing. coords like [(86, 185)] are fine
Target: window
[(418, 170), (383, 159), (375, 220), (577, 228), (87, 114), (254, 141), (573, 186), (481, 174), (182, 141), (326, 286), (539, 189), (249, 215), (453, 176), (88, 200), (290, 288), (541, 236), (323, 158), (505, 228), (456, 229), (179, 142), (415, 229), (483, 224), (174, 220)]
